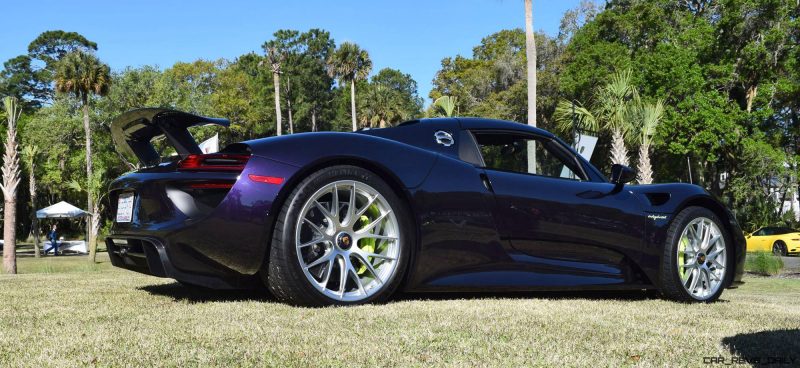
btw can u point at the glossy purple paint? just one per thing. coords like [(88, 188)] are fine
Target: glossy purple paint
[(476, 229)]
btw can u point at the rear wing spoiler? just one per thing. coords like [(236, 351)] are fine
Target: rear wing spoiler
[(133, 131)]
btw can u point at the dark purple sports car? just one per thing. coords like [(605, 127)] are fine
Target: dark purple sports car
[(432, 205)]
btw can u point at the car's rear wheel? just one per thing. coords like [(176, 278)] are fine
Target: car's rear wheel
[(341, 238), (779, 248), (696, 257)]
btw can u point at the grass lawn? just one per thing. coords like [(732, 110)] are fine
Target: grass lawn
[(62, 312)]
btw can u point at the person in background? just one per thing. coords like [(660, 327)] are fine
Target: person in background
[(53, 237)]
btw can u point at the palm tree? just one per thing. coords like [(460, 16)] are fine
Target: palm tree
[(445, 105), (82, 75), (29, 154), (649, 117), (613, 111), (381, 107), (9, 186), (350, 63)]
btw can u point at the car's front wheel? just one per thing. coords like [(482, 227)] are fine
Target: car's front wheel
[(696, 259), (341, 238), (779, 248)]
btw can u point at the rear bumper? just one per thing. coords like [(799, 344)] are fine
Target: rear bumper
[(149, 256), (173, 237)]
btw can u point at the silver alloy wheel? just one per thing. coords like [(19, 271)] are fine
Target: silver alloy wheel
[(701, 258), (348, 240)]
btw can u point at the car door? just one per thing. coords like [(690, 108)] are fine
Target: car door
[(557, 219), (757, 240)]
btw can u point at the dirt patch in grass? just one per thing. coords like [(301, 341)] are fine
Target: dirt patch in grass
[(110, 317)]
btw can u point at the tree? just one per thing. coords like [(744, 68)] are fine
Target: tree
[(313, 82), (445, 105), (391, 97), (280, 48), (188, 86), (11, 180), (83, 75), (613, 111), (51, 46), (29, 154), (649, 115), (350, 63), (19, 79)]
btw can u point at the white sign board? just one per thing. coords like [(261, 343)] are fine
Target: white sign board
[(585, 145), (125, 207), (210, 145)]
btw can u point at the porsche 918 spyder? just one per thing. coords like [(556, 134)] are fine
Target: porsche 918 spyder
[(431, 205)]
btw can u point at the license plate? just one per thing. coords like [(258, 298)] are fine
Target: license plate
[(125, 207)]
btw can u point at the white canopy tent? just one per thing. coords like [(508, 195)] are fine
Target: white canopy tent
[(63, 210)]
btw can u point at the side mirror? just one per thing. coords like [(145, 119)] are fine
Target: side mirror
[(621, 174)]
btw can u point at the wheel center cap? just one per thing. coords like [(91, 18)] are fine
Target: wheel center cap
[(701, 258), (344, 240)]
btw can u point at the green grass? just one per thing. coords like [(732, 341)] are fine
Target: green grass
[(62, 264), (763, 263), (108, 317)]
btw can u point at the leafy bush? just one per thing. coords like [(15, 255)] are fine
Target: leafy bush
[(763, 263)]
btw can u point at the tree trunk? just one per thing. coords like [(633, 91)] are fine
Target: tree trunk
[(313, 120), (289, 104), (87, 130), (353, 103), (530, 54), (9, 187), (751, 93), (291, 123), (619, 154), (94, 227), (276, 79), (645, 171), (10, 236), (34, 229)]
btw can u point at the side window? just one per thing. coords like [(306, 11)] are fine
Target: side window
[(760, 232), (513, 152)]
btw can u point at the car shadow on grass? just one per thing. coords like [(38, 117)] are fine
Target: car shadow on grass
[(195, 294), (623, 295), (778, 348)]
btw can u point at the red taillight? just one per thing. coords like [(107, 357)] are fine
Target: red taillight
[(266, 179), (214, 162)]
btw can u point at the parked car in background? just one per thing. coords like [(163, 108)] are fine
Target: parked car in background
[(781, 241)]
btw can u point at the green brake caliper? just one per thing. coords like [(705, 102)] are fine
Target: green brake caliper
[(369, 245), (684, 243)]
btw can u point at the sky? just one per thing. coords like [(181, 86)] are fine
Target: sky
[(412, 36)]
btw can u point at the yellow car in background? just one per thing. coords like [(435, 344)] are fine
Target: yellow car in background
[(778, 240)]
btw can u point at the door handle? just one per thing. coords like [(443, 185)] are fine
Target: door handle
[(486, 182)]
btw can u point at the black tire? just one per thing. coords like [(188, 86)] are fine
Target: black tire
[(779, 248), (283, 273), (671, 285)]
